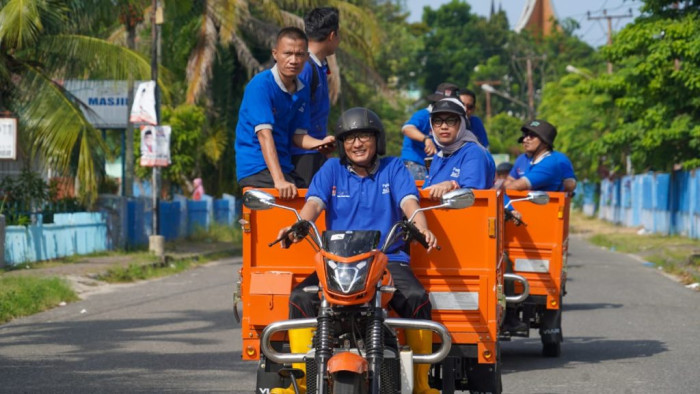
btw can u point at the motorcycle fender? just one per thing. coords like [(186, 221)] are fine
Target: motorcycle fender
[(346, 361)]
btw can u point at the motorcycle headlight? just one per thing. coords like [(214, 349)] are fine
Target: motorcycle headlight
[(347, 278)]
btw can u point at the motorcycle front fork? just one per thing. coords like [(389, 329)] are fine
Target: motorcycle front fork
[(374, 345)]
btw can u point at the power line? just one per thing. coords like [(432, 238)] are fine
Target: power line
[(609, 19)]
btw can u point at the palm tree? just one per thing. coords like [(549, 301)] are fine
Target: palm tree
[(40, 46), (227, 22)]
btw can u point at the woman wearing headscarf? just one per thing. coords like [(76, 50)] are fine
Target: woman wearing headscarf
[(462, 162)]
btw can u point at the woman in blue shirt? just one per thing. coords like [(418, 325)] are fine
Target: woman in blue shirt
[(462, 162)]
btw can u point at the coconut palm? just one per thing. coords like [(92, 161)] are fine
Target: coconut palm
[(40, 46), (227, 22)]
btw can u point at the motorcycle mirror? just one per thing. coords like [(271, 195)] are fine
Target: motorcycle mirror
[(258, 200), (538, 197), (458, 199)]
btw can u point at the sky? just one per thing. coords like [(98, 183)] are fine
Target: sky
[(594, 32)]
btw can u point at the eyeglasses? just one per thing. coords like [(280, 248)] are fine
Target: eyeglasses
[(451, 121), (363, 137)]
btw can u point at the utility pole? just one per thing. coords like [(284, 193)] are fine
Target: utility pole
[(609, 19), (529, 60), (156, 20), (488, 96)]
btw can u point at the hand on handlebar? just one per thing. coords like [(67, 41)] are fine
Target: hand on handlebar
[(287, 236), (430, 239)]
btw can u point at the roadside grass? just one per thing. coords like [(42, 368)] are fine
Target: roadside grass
[(679, 256), (134, 272), (26, 295), (218, 233)]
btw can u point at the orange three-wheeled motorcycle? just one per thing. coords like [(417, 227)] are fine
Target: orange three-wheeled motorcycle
[(464, 280)]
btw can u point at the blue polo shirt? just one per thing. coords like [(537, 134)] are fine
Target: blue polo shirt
[(471, 166), (566, 169), (364, 203), (321, 103), (520, 166), (415, 150), (268, 105), (545, 173), (479, 130)]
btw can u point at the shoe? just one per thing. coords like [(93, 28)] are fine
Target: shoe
[(299, 342), (421, 342), (512, 324)]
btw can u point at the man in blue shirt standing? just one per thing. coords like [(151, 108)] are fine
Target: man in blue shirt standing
[(417, 141), (361, 191), (273, 115), (468, 98), (321, 26), (540, 167)]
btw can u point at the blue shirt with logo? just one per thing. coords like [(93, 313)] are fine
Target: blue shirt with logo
[(365, 203), (521, 164), (415, 150), (547, 175), (479, 130), (548, 172), (268, 105), (320, 105), (470, 166)]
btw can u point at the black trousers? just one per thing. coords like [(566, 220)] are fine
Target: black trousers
[(307, 165), (264, 179), (410, 299)]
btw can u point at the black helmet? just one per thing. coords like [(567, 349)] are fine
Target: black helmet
[(544, 130), (359, 119)]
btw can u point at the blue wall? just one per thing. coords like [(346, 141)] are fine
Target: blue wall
[(87, 232), (70, 234), (662, 203)]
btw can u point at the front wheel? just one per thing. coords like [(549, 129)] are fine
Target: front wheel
[(345, 382)]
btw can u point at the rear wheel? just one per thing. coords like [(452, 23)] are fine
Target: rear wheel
[(551, 349), (348, 383)]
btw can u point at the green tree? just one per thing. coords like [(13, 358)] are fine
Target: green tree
[(656, 90), (40, 45)]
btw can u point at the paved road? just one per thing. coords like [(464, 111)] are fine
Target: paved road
[(628, 329)]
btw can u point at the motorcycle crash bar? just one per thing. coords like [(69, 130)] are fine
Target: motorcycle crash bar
[(287, 358)]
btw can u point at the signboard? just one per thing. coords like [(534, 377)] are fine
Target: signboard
[(8, 138), (107, 101), (155, 146)]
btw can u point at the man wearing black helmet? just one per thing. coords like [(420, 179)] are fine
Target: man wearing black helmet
[(547, 169), (362, 191)]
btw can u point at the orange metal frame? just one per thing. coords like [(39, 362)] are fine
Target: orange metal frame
[(545, 237), (471, 260)]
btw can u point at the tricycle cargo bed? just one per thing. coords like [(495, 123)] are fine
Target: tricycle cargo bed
[(464, 278), (538, 250)]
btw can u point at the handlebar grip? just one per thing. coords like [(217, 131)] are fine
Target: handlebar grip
[(300, 229), (510, 216), (418, 236)]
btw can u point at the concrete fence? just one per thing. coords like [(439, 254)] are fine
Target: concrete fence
[(119, 223), (661, 203)]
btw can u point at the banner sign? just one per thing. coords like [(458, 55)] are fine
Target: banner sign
[(144, 109), (155, 146), (107, 101), (8, 138)]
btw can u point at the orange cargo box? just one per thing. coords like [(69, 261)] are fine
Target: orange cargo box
[(464, 279), (538, 250)]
